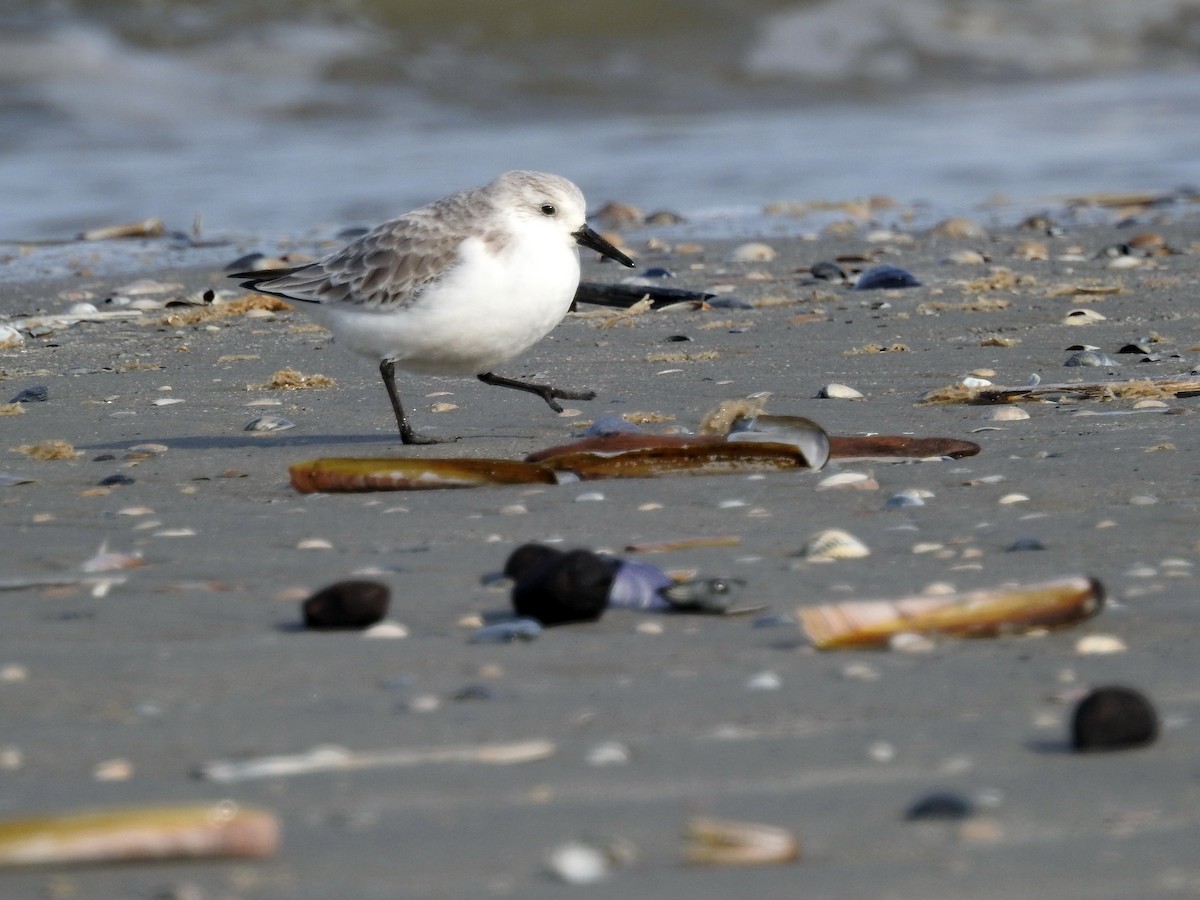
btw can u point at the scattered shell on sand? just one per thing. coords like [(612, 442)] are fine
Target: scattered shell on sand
[(1004, 414), (856, 480), (10, 338), (265, 424), (1008, 499), (722, 842), (1083, 316), (578, 863), (959, 227), (1098, 644), (753, 252), (833, 543), (835, 391)]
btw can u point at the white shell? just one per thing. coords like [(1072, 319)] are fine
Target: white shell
[(837, 391), (1004, 414), (833, 543)]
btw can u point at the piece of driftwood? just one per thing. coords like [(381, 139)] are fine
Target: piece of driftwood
[(1130, 389)]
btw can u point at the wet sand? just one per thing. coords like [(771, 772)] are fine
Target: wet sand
[(197, 656)]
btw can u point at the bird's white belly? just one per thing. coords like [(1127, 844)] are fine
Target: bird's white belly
[(488, 310)]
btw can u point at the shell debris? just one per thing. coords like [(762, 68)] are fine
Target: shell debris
[(721, 842)]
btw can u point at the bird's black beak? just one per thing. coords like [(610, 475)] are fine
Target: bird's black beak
[(586, 237)]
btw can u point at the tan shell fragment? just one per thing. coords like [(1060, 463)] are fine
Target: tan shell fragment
[(984, 613), (720, 842)]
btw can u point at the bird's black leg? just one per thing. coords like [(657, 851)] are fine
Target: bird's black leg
[(387, 370), (545, 391)]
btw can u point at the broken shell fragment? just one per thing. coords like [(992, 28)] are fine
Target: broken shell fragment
[(835, 391), (140, 833), (719, 842), (804, 434), (1012, 609)]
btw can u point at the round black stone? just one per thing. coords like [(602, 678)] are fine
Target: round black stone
[(347, 605), (571, 587), (1113, 718), (119, 478), (527, 558)]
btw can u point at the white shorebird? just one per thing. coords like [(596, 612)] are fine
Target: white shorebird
[(456, 287)]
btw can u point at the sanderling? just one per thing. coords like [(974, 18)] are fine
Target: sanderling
[(456, 287)]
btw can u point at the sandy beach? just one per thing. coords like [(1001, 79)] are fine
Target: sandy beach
[(115, 697)]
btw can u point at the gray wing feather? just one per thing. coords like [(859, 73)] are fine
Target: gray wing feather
[(385, 269)]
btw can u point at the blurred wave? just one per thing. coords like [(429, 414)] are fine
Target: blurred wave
[(110, 106)]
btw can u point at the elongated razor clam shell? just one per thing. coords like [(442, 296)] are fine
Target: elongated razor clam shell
[(984, 613), (139, 833), (350, 474), (721, 842)]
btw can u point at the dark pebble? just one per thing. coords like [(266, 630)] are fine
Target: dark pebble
[(473, 692), (676, 339), (39, 393), (119, 478), (572, 587), (1113, 718), (658, 272), (1023, 544), (528, 557), (1112, 251), (347, 604), (885, 278), (940, 806), (104, 457)]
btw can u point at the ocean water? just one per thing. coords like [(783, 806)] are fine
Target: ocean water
[(265, 117)]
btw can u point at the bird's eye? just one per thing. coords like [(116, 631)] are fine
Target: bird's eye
[(548, 209)]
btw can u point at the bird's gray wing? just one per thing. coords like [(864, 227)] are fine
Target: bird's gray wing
[(385, 269)]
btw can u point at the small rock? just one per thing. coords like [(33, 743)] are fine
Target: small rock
[(1113, 718), (39, 393), (351, 604), (885, 278), (940, 806)]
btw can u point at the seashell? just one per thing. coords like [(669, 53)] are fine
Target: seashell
[(10, 337), (721, 842), (958, 227), (152, 227), (578, 863), (833, 543), (1113, 718), (1031, 250), (607, 425), (829, 271), (347, 474), (805, 435), (1098, 644), (908, 497), (609, 753), (1083, 316), (198, 831), (984, 613), (966, 258), (615, 214), (637, 585), (36, 394), (973, 381), (1004, 414), (856, 480), (835, 391), (107, 561), (265, 424), (706, 595), (752, 252), (1009, 499), (885, 278), (1091, 358)]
